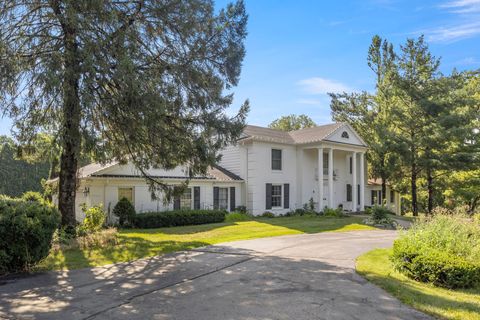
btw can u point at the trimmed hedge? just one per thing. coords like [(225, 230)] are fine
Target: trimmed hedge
[(26, 231), (444, 251), (178, 218)]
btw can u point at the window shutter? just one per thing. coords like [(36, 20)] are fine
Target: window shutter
[(286, 196), (176, 203), (216, 192), (268, 196), (196, 198), (373, 197), (232, 198), (358, 194)]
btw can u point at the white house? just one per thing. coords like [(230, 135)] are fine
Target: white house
[(266, 170)]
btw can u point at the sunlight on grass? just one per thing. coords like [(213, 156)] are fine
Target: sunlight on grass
[(140, 243), (439, 302)]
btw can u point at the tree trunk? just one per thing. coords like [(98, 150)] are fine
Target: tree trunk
[(430, 190), (70, 130), (414, 189)]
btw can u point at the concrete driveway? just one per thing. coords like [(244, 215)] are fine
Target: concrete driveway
[(292, 277)]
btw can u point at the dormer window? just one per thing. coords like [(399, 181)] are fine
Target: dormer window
[(345, 135)]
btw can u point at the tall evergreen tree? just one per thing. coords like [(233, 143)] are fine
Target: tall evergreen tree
[(132, 80)]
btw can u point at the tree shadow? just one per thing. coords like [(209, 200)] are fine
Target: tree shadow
[(180, 229), (316, 224)]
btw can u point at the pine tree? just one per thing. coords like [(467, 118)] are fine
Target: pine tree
[(141, 81)]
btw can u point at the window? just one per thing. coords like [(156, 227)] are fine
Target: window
[(325, 163), (345, 135), (349, 192), (126, 193), (186, 199), (223, 198), (276, 159), (392, 196), (276, 196)]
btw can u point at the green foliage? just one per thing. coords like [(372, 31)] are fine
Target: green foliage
[(156, 75), (292, 122), (267, 214), (237, 216), (380, 213), (178, 218), (33, 196), (443, 250), (329, 212), (241, 209), (18, 176), (125, 211), (26, 231), (94, 219)]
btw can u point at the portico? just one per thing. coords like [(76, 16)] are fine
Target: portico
[(350, 175)]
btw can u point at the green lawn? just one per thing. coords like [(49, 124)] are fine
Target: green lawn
[(441, 303), (139, 243)]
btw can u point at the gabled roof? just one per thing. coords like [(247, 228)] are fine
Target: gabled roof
[(302, 136)]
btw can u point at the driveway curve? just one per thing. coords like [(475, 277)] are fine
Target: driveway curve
[(308, 276)]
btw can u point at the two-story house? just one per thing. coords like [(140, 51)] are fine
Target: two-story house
[(266, 170)]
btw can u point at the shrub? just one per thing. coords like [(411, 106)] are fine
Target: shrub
[(178, 218), (329, 212), (237, 216), (33, 196), (94, 219), (26, 231), (102, 238), (380, 213), (443, 250), (125, 212), (267, 214), (241, 209)]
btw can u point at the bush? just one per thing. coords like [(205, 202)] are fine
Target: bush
[(94, 219), (329, 212), (178, 218), (380, 213), (267, 214), (33, 196), (102, 238), (125, 212), (443, 250), (237, 216), (26, 231), (241, 209)]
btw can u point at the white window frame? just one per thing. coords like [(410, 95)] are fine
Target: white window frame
[(133, 194), (281, 160), (227, 198), (281, 195), (191, 198)]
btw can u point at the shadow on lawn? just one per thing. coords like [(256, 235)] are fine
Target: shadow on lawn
[(315, 224)]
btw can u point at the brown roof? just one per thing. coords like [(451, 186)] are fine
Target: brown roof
[(93, 170), (307, 135)]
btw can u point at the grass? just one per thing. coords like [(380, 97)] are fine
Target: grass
[(140, 243), (438, 302)]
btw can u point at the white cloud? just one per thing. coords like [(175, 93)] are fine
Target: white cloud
[(319, 85), (462, 6), (468, 61), (453, 33)]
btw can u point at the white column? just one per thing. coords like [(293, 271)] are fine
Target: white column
[(362, 181), (320, 179), (354, 181), (330, 178)]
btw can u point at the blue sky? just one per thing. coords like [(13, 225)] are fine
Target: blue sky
[(299, 50)]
